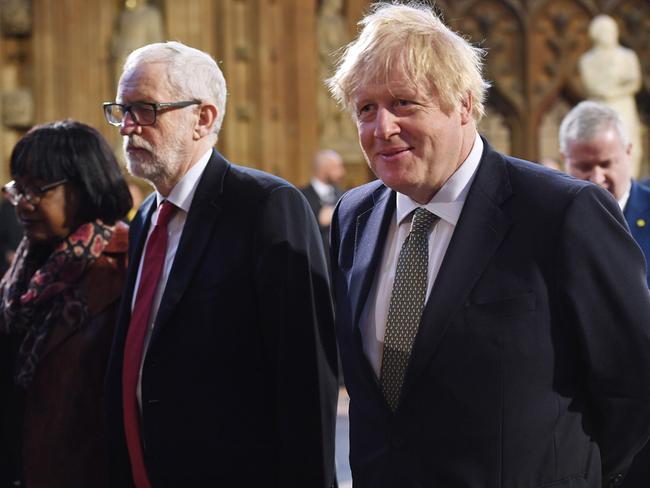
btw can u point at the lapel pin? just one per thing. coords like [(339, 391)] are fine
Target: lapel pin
[(640, 222)]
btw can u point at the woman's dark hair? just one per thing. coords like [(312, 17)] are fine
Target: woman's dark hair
[(70, 150)]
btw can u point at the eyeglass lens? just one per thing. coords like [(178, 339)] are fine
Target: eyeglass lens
[(13, 194), (142, 114)]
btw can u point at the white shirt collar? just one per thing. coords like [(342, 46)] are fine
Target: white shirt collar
[(448, 202), (183, 192), (626, 196), (322, 189)]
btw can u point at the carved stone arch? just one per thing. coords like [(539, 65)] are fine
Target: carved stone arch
[(549, 126), (497, 27), (501, 122), (559, 34)]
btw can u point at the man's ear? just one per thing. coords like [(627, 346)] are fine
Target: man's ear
[(205, 123), (466, 106)]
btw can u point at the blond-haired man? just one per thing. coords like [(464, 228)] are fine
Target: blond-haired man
[(484, 336)]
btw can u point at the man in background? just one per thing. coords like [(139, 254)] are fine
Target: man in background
[(595, 146), (323, 191), (223, 367)]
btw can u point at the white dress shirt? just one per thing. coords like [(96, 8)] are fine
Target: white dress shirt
[(447, 204), (326, 193), (181, 196), (626, 196)]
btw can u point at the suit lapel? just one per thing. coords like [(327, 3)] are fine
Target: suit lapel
[(137, 237), (370, 235), (197, 232), (480, 230), (636, 208)]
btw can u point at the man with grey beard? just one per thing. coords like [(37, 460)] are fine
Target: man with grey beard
[(223, 368)]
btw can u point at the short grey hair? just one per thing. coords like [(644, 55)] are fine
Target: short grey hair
[(413, 39), (586, 120), (191, 73)]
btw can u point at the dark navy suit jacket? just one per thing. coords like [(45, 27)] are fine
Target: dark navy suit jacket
[(239, 382), (531, 366), (637, 214)]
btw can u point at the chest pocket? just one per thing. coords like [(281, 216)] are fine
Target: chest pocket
[(506, 307)]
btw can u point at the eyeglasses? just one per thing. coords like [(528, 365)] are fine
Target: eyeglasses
[(142, 113), (31, 195)]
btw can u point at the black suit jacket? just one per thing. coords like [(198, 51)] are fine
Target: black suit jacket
[(637, 215), (531, 367), (316, 205), (239, 381)]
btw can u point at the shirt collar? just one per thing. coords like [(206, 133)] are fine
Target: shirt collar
[(626, 196), (448, 202), (183, 192), (321, 189)]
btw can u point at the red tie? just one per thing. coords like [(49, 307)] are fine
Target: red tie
[(154, 258)]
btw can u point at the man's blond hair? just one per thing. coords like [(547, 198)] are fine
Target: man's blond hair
[(412, 40)]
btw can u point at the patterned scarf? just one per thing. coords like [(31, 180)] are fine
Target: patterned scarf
[(36, 298)]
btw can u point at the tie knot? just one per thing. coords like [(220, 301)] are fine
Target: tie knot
[(165, 213), (422, 221)]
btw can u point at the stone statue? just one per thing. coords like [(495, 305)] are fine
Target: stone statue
[(139, 24), (611, 74), (335, 126)]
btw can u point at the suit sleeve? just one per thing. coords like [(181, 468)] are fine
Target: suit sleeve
[(298, 329), (604, 288)]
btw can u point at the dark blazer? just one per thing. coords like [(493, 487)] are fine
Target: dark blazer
[(637, 214), (316, 205), (531, 364), (239, 381)]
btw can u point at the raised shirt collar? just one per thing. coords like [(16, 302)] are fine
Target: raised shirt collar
[(448, 202), (183, 192)]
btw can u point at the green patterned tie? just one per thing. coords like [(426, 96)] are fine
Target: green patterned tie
[(406, 305)]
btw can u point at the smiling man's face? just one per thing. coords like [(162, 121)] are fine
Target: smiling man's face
[(410, 143)]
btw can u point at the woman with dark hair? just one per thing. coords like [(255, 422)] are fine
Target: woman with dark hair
[(58, 304)]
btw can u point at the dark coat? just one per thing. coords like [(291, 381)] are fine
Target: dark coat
[(316, 205), (637, 215), (239, 381), (531, 364), (62, 428)]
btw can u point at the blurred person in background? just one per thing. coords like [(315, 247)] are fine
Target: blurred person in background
[(58, 305), (595, 146), (323, 190)]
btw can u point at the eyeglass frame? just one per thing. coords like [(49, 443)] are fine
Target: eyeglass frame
[(31, 196), (155, 108)]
